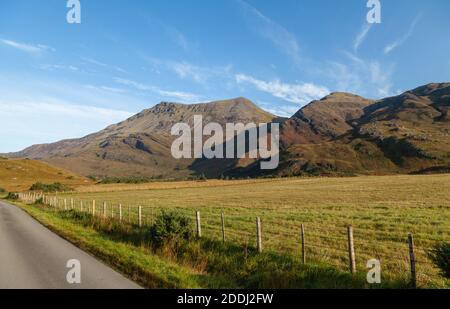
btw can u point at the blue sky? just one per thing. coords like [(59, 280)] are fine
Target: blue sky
[(60, 80)]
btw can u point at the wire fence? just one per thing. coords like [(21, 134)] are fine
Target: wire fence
[(309, 241)]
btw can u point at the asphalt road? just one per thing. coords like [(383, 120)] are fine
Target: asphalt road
[(33, 257)]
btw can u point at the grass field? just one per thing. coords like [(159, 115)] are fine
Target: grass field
[(382, 210)]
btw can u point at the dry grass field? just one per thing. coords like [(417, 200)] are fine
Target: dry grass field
[(382, 210)]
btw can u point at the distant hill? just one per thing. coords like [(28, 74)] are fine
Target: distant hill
[(18, 175), (341, 134)]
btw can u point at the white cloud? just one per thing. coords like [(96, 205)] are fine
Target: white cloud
[(182, 97), (295, 93), (28, 48), (54, 107), (397, 43), (274, 32), (361, 36)]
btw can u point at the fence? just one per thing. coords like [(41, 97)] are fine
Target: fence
[(346, 248)]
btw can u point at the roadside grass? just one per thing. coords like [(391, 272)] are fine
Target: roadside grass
[(382, 210), (200, 263)]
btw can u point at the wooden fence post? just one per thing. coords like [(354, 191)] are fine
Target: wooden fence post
[(140, 216), (412, 260), (259, 235), (120, 212), (223, 227), (303, 244), (351, 250), (199, 224), (93, 208), (71, 204), (81, 206), (104, 210), (65, 204)]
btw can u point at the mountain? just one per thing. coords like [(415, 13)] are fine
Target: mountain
[(140, 145), (346, 134), (341, 134), (324, 120)]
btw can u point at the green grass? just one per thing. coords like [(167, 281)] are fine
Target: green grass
[(382, 210), (204, 263)]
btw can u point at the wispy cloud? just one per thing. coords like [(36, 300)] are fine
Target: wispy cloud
[(397, 43), (199, 74), (53, 107), (24, 47), (295, 93), (106, 89), (59, 67), (356, 75), (189, 71), (361, 36), (179, 38), (102, 64), (271, 30), (279, 110), (182, 97)]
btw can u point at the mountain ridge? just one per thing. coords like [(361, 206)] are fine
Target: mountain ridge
[(340, 133)]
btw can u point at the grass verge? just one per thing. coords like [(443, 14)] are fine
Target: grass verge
[(201, 263)]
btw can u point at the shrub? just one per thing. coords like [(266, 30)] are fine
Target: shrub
[(12, 196), (39, 201), (54, 187), (171, 227), (2, 190), (440, 255)]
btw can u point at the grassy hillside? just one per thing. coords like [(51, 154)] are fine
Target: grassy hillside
[(383, 210), (19, 175)]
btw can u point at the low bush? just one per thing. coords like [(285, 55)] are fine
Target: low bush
[(440, 255), (54, 187), (39, 201), (2, 190), (171, 228), (12, 196)]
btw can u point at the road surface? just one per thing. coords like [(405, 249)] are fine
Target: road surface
[(33, 257)]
